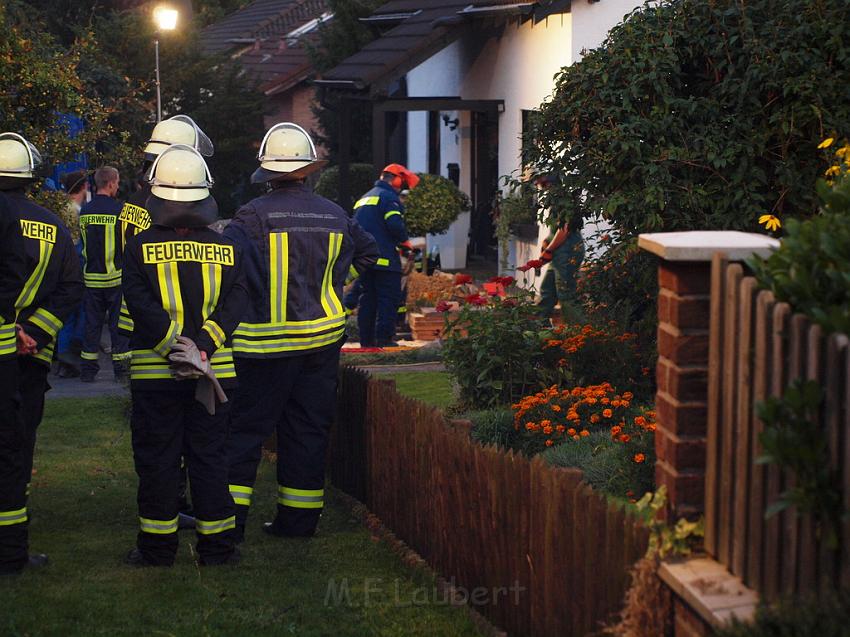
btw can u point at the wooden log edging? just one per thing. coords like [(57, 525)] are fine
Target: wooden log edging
[(486, 519)]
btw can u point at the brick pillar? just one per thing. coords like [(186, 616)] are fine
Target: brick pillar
[(684, 280), (682, 379)]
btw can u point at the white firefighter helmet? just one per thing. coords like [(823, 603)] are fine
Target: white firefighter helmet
[(180, 189), (18, 158), (287, 153), (180, 129)]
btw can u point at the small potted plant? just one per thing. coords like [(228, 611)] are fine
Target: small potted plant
[(433, 208), (515, 218)]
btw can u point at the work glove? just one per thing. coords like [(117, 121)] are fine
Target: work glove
[(546, 255), (186, 364)]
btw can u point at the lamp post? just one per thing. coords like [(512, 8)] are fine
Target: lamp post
[(166, 20)]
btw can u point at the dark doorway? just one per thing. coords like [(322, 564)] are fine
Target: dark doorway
[(485, 182)]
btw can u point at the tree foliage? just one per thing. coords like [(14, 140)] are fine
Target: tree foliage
[(698, 114)]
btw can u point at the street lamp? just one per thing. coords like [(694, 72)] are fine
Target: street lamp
[(165, 18)]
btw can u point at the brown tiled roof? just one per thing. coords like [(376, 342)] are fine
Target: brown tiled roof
[(276, 66), (408, 44), (260, 20)]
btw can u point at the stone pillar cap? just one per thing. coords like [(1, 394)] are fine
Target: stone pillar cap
[(701, 245)]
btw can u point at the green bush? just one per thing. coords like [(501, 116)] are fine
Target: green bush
[(493, 350), (433, 206), (607, 465), (697, 115), (493, 427), (811, 269), (825, 616), (361, 178)]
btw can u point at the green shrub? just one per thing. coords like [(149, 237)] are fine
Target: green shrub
[(433, 206), (607, 465), (811, 269), (493, 350), (825, 616), (493, 426), (361, 179), (697, 115)]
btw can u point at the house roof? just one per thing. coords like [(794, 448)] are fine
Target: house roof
[(420, 29), (276, 65), (260, 20)]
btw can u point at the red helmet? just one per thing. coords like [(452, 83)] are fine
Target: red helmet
[(403, 177)]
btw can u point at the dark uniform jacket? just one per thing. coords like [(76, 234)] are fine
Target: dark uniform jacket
[(380, 213), (54, 286), (134, 216), (12, 275), (298, 248), (133, 219), (175, 285), (100, 233)]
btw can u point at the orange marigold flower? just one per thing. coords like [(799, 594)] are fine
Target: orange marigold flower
[(547, 430), (639, 457), (624, 438), (556, 408), (545, 423), (571, 432), (585, 433), (576, 437), (530, 426), (549, 443), (640, 421), (605, 400), (560, 429), (628, 395), (607, 413), (591, 400), (572, 415), (616, 429), (594, 418)]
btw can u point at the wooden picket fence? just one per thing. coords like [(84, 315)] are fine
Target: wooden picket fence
[(547, 554), (757, 347)]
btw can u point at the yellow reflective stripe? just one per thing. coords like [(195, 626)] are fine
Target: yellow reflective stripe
[(165, 345), (169, 289), (285, 344), (109, 248), (30, 289), (46, 321), (103, 284), (249, 329), (384, 262), (392, 213), (301, 498), (89, 356), (159, 527), (216, 333), (46, 354), (18, 516), (210, 527), (366, 201), (330, 301), (241, 495), (8, 344), (125, 321), (212, 286), (122, 357), (278, 274)]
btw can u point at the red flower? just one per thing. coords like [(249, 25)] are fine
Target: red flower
[(443, 306), (476, 299), (509, 303), (462, 279), (507, 280), (535, 263)]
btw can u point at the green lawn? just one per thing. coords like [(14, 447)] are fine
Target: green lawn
[(433, 388), (84, 517)]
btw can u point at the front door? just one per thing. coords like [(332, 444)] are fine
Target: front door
[(485, 183)]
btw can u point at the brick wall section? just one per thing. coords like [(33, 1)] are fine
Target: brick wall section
[(682, 378)]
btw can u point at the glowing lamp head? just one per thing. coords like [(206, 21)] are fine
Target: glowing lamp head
[(165, 18)]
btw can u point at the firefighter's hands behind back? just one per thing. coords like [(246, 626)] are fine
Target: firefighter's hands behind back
[(26, 343), (188, 362)]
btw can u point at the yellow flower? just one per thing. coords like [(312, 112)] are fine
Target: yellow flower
[(833, 171), (770, 222), (826, 143)]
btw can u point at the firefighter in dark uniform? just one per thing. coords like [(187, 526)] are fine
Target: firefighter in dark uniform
[(51, 292), (13, 518), (134, 217), (184, 289), (299, 248), (381, 214), (100, 234)]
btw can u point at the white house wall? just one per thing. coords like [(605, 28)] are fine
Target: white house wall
[(592, 21)]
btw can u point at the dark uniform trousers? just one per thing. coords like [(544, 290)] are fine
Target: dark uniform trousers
[(13, 498), (296, 397), (166, 425), (98, 303), (379, 303)]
